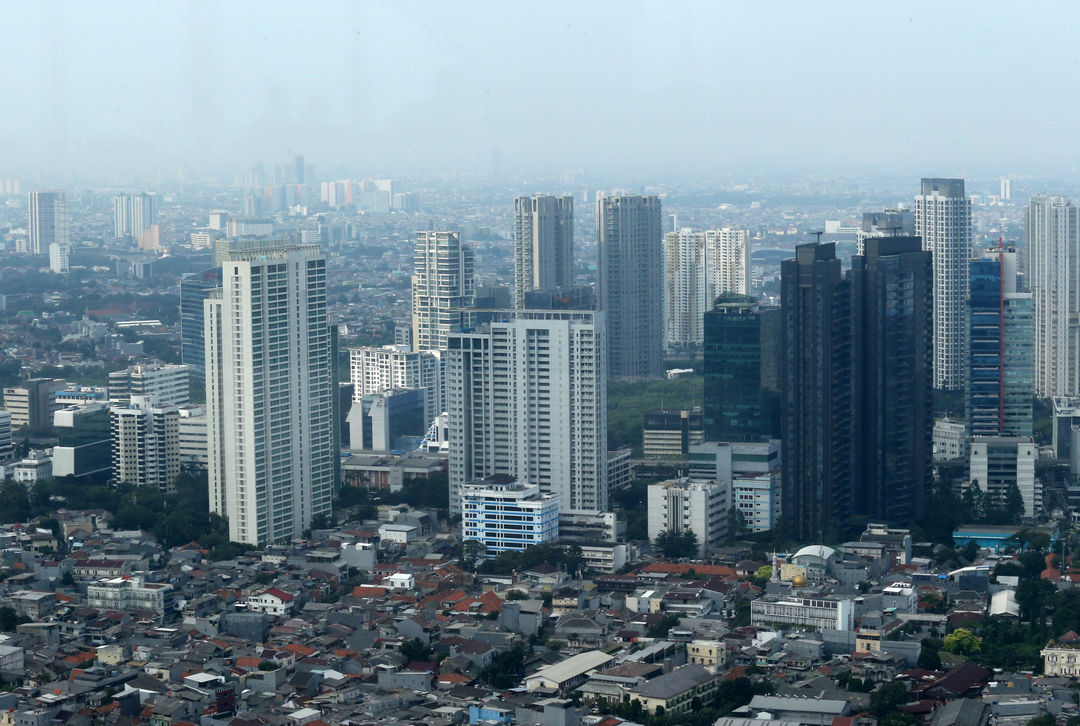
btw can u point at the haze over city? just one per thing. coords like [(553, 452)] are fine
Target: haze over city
[(636, 88)]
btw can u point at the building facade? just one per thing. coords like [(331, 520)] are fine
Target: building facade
[(505, 515), (60, 258), (629, 269), (1052, 230), (47, 221), (543, 244), (999, 462), (818, 613), (32, 403), (145, 443), (742, 348), (699, 506), (442, 286), (527, 397), (816, 392), (194, 290), (943, 221), (397, 367), (133, 214), (166, 383), (758, 500), (269, 392), (7, 447)]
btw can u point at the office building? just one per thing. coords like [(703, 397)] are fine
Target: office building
[(84, 447), (125, 593), (694, 505), (817, 613), (630, 268), (388, 420), (1066, 431), (816, 388), (742, 378), (543, 244), (194, 290), (133, 214), (1001, 365), (398, 367), (60, 258), (943, 221), (32, 403), (505, 515), (886, 223), (724, 460), (167, 383), (145, 443), (999, 462), (1052, 229), (527, 397), (951, 441), (7, 446), (47, 221), (892, 407), (269, 392), (192, 432), (671, 432), (442, 286), (757, 499)]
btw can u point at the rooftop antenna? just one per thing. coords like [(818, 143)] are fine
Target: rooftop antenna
[(818, 235)]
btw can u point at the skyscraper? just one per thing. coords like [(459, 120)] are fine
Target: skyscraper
[(396, 367), (193, 291), (1052, 226), (442, 286), (629, 266), (892, 406), (886, 223), (742, 347), (145, 443), (527, 397), (1001, 357), (543, 244), (48, 221), (943, 220), (133, 214), (816, 388), (698, 267), (269, 391)]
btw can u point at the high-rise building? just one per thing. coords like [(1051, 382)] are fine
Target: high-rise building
[(145, 443), (685, 298), (727, 262), (60, 258), (48, 221), (681, 505), (269, 391), (999, 462), (386, 420), (166, 382), (84, 446), (1001, 334), (742, 350), (816, 392), (943, 220), (442, 286), (543, 244), (1052, 226), (630, 268), (32, 403), (527, 397), (1006, 189), (195, 289), (892, 407), (886, 223), (7, 447), (194, 446), (396, 367), (133, 214), (505, 515)]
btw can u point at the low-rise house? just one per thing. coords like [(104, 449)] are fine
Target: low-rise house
[(569, 673), (1061, 657), (677, 690), (272, 602)]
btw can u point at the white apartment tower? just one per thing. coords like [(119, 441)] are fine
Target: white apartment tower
[(1052, 225), (943, 220), (48, 221), (698, 268), (699, 506), (543, 244), (527, 397), (166, 382), (395, 368), (133, 214), (145, 443), (269, 391), (442, 285), (630, 270), (60, 258)]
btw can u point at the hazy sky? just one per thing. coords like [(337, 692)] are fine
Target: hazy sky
[(649, 87)]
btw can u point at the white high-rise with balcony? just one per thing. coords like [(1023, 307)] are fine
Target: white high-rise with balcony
[(1052, 226), (527, 397), (442, 285), (47, 220), (269, 391), (943, 220), (543, 244), (145, 443), (395, 368), (698, 267)]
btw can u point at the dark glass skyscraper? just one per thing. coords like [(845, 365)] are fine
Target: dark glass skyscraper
[(816, 388), (892, 341), (193, 290), (741, 381)]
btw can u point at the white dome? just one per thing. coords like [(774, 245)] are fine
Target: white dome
[(820, 551)]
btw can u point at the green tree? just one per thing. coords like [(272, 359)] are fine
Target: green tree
[(674, 545), (929, 659), (962, 642), (887, 698), (472, 552), (414, 649), (1044, 720)]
